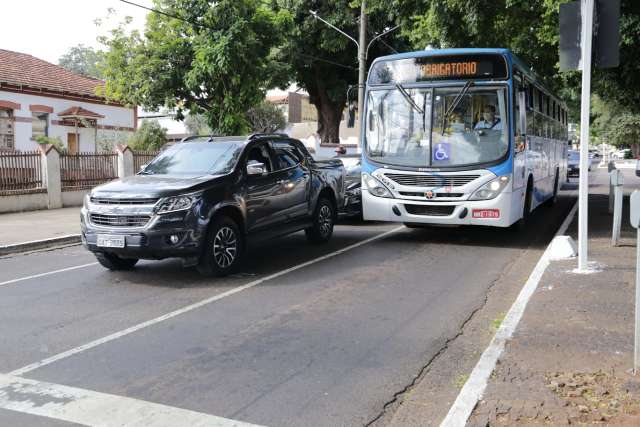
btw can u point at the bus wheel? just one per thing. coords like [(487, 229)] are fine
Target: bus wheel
[(554, 199), (526, 210)]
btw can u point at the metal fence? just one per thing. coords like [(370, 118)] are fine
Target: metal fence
[(85, 170), (20, 172), (141, 158)]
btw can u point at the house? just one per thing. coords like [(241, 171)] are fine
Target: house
[(295, 107), (38, 98)]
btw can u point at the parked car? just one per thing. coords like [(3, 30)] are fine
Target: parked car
[(353, 184), (573, 163), (203, 199), (622, 154)]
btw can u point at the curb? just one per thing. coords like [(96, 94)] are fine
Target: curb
[(39, 244)]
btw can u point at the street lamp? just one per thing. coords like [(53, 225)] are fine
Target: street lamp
[(384, 33)]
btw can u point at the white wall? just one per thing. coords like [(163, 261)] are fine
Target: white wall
[(114, 116)]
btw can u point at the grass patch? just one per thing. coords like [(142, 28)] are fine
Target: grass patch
[(461, 380), (495, 324)]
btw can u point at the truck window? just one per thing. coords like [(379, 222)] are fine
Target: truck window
[(261, 155), (287, 155)]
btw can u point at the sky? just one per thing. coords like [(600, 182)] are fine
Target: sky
[(48, 28)]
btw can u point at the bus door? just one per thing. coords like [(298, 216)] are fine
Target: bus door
[(519, 134)]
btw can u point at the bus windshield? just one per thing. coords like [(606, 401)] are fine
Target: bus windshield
[(434, 130)]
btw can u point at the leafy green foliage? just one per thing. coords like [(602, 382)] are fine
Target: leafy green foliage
[(196, 124), (266, 117), (216, 60), (325, 62), (150, 136), (83, 60), (56, 142)]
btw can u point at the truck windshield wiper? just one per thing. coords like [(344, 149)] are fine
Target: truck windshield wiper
[(409, 99), (455, 103)]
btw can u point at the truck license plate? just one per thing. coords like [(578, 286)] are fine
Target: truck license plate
[(110, 241), (486, 213)]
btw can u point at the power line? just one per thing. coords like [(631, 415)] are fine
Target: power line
[(150, 9)]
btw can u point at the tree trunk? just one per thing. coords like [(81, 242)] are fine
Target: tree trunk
[(329, 111)]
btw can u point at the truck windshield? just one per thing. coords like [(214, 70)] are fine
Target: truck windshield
[(195, 158), (475, 130)]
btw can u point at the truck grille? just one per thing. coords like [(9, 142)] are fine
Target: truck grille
[(120, 220), (429, 210), (127, 202), (431, 180)]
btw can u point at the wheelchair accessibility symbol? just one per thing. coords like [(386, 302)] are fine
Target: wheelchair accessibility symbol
[(441, 153)]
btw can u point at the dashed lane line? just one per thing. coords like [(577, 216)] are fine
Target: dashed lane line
[(191, 307), (93, 408), (36, 276)]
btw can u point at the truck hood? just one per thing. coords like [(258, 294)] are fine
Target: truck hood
[(153, 185)]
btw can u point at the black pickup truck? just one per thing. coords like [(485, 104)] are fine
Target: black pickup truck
[(204, 198)]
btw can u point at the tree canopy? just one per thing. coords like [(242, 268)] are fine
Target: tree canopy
[(83, 60), (213, 59)]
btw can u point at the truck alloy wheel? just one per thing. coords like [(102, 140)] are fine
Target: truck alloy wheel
[(223, 248)]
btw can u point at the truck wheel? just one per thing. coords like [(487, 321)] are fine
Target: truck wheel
[(223, 248), (323, 221), (114, 262)]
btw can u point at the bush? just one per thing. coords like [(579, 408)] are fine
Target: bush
[(150, 136), (266, 117), (56, 142)]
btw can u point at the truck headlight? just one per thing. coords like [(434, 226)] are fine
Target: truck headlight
[(375, 187), (176, 203), (491, 189)]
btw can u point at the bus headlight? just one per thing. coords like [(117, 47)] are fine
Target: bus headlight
[(374, 186), (491, 189)]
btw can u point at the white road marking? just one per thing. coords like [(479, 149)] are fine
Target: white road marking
[(35, 276), (476, 384), (89, 407), (192, 307)]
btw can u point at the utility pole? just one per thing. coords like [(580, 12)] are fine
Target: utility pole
[(362, 60)]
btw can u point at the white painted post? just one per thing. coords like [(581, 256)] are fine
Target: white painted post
[(634, 216), (616, 181), (125, 161), (51, 175), (583, 192)]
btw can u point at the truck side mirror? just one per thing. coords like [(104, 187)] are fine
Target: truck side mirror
[(256, 168)]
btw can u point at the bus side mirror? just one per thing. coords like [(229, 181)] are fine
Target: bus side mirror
[(351, 118)]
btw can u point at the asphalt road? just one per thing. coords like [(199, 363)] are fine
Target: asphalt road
[(325, 344)]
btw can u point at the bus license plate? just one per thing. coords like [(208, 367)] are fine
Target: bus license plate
[(110, 241), (486, 213)]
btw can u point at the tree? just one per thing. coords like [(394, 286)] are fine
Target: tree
[(202, 57), (324, 62), (83, 60), (150, 136), (266, 117), (196, 124)]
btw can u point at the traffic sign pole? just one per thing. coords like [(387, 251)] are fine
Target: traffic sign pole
[(583, 192)]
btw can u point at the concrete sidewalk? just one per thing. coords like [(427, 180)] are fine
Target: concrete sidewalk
[(569, 360), (52, 225)]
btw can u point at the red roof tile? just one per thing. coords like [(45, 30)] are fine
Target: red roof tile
[(80, 112), (26, 70)]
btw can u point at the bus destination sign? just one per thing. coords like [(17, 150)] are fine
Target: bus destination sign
[(450, 69), (439, 67)]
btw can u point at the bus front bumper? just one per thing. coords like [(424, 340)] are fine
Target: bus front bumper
[(502, 211)]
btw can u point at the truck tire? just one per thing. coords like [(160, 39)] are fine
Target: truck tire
[(223, 248), (114, 262), (323, 222)]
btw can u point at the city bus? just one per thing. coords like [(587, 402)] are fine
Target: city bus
[(459, 136)]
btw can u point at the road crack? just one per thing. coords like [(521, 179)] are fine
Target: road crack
[(398, 396)]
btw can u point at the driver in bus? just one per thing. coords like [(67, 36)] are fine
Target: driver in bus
[(489, 120)]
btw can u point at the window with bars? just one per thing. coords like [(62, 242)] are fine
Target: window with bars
[(39, 125), (6, 130)]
